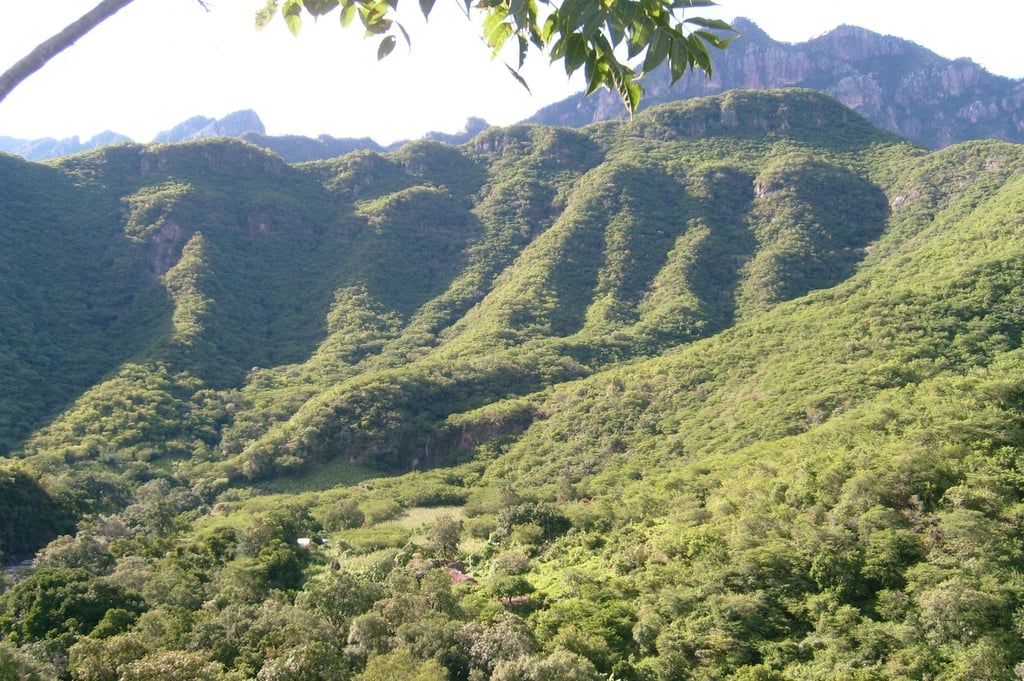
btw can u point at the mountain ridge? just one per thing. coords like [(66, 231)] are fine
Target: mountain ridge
[(896, 84), (732, 389), (385, 191), (867, 71)]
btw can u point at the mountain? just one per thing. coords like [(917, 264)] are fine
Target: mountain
[(896, 84), (247, 125), (729, 390), (297, 148), (47, 147), (233, 125), (244, 124), (237, 124), (473, 127)]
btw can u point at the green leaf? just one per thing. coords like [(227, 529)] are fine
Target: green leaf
[(515, 74), (494, 16), (292, 13), (547, 33), (497, 37), (576, 51), (426, 6), (496, 30), (348, 13), (596, 72), (621, 16), (566, 15), (712, 39), (599, 43), (699, 51), (318, 8), (585, 14), (714, 24), (592, 18), (517, 8), (631, 91), (374, 18), (385, 47), (639, 34), (524, 45), (657, 51), (678, 59), (264, 15), (687, 4)]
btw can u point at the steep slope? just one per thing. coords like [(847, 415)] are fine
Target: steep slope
[(730, 390), (533, 255), (575, 298), (827, 490), (901, 320)]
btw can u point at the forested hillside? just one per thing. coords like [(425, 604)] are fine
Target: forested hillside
[(730, 390)]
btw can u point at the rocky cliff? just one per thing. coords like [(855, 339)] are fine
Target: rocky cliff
[(233, 125), (896, 84)]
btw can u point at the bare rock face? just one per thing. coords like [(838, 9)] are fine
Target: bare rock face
[(233, 125), (896, 84)]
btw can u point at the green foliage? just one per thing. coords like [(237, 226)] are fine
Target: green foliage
[(54, 602), (508, 588), (172, 665), (343, 515), (15, 665), (443, 538), (401, 665), (812, 222), (733, 390), (580, 33), (29, 516)]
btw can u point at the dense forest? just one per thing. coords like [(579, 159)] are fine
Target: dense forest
[(733, 389)]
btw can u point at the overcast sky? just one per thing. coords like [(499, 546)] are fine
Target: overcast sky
[(158, 62)]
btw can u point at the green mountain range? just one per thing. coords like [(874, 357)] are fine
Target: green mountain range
[(732, 389)]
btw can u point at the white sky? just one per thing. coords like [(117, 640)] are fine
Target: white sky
[(159, 62)]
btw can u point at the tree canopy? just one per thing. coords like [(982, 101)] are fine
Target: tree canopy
[(731, 390), (587, 34), (614, 41)]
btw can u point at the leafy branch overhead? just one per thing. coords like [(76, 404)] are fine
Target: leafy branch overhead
[(615, 42)]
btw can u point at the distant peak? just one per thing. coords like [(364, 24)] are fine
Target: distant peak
[(856, 42), (749, 30), (234, 124)]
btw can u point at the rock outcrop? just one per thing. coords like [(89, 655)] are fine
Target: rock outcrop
[(233, 125), (896, 84)]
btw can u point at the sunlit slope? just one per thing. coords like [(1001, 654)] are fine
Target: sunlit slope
[(937, 297), (645, 252), (731, 390), (277, 316)]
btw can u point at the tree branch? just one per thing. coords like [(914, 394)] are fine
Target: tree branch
[(49, 49)]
